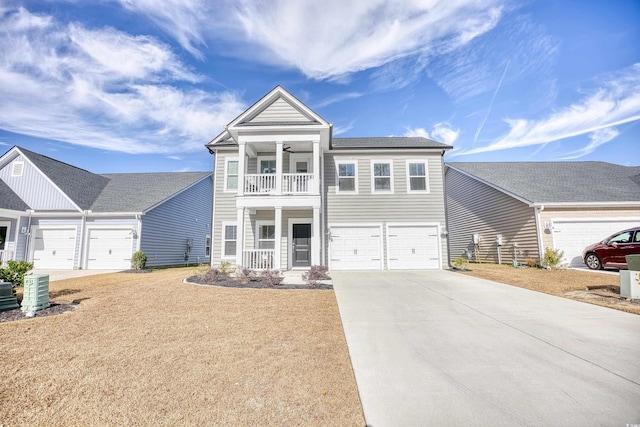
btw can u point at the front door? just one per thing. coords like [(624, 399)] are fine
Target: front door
[(301, 250)]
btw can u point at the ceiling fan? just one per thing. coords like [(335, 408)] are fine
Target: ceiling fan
[(288, 150)]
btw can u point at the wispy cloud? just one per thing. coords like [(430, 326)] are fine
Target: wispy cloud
[(493, 98), (102, 88), (442, 132), (614, 102), (337, 98), (598, 137), (339, 130)]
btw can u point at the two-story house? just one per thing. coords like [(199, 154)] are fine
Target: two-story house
[(288, 195)]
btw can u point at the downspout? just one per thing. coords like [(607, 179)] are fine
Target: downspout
[(446, 214), (82, 231), (537, 211), (28, 234), (139, 244), (323, 222)]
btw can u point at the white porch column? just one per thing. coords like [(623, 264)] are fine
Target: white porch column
[(241, 168), (316, 238), (279, 170), (316, 168), (239, 236), (277, 262)]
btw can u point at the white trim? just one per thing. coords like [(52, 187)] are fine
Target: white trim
[(87, 238), (373, 177), (597, 219), (416, 224), (34, 232), (426, 176), (284, 201), (226, 167), (355, 177), (629, 204), (8, 225), (296, 157), (223, 240), (290, 223), (377, 225), (256, 235)]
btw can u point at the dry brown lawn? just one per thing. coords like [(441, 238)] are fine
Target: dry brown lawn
[(147, 349), (593, 287)]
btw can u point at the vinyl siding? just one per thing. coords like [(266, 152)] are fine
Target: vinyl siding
[(224, 206), (473, 207), (167, 227), (280, 111), (382, 208), (34, 188)]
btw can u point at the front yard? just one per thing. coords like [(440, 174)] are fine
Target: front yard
[(147, 349)]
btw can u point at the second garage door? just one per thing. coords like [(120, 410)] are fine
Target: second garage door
[(413, 247), (573, 237), (109, 249), (356, 248), (54, 248)]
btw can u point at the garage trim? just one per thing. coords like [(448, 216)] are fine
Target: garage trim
[(378, 227), (390, 225)]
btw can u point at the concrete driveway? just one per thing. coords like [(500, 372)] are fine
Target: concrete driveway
[(70, 274), (435, 348)]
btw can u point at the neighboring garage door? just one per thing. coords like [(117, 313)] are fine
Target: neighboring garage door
[(356, 248), (573, 237), (413, 247), (54, 248), (109, 249)]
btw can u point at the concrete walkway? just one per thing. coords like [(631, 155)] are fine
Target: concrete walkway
[(436, 348), (70, 274)]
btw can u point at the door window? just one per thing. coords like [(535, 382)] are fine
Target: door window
[(621, 238)]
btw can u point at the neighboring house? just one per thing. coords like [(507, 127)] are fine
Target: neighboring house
[(62, 217), (288, 195), (536, 205)]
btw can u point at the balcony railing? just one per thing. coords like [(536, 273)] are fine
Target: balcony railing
[(258, 259), (292, 183), (4, 257)]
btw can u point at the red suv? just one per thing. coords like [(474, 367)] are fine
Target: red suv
[(610, 253)]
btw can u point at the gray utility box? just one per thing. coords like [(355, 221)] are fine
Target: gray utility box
[(36, 292), (630, 279), (8, 301)]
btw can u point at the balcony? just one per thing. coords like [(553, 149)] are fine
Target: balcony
[(292, 183), (258, 259)]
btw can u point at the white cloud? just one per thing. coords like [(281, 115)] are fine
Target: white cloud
[(442, 132), (614, 102), (102, 88), (598, 137)]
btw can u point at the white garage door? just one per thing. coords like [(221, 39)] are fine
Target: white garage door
[(110, 249), (413, 247), (356, 248), (54, 248), (573, 237)]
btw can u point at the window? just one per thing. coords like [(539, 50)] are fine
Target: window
[(266, 236), (381, 176), (231, 175), (266, 164), (229, 238), (347, 177), (417, 176), (621, 238), (207, 246)]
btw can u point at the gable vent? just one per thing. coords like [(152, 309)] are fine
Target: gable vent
[(18, 169)]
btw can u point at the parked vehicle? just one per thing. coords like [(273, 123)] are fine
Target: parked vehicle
[(611, 252)]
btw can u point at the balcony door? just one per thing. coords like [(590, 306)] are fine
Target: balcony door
[(301, 245)]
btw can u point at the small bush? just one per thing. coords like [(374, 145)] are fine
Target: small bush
[(15, 272), (139, 260), (272, 277), (247, 275), (552, 257), (531, 263), (226, 268), (315, 274), (460, 263), (212, 276)]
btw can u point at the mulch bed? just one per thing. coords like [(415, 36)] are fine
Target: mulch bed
[(231, 282), (52, 310)]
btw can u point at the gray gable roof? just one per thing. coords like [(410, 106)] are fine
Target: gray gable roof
[(559, 182), (81, 186), (390, 142), (138, 192), (10, 200)]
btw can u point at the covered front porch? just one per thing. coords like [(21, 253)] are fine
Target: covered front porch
[(283, 238)]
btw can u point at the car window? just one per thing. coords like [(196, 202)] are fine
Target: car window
[(637, 237), (621, 238)]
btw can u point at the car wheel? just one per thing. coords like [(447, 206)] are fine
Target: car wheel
[(593, 262)]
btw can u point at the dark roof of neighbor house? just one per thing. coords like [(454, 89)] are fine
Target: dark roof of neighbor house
[(138, 192), (394, 142), (80, 185), (559, 182), (10, 200)]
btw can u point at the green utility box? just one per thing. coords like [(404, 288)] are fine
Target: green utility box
[(8, 301), (36, 293), (630, 279)]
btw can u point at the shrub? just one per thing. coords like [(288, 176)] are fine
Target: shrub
[(15, 272), (460, 263), (315, 274), (247, 275), (139, 260), (212, 276), (531, 263), (552, 257), (272, 277), (226, 268)]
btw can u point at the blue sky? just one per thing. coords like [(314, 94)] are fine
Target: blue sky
[(142, 85)]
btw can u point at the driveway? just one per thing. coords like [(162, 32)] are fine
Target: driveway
[(439, 348), (70, 274)]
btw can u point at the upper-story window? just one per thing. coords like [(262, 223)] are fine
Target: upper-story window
[(347, 177), (417, 179), (266, 165), (231, 175), (382, 176)]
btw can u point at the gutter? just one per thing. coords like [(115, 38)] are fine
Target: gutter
[(537, 210)]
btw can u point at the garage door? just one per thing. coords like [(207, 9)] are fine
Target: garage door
[(110, 249), (413, 247), (54, 248), (573, 237), (356, 248)]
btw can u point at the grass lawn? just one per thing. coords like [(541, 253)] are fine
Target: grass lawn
[(147, 349)]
